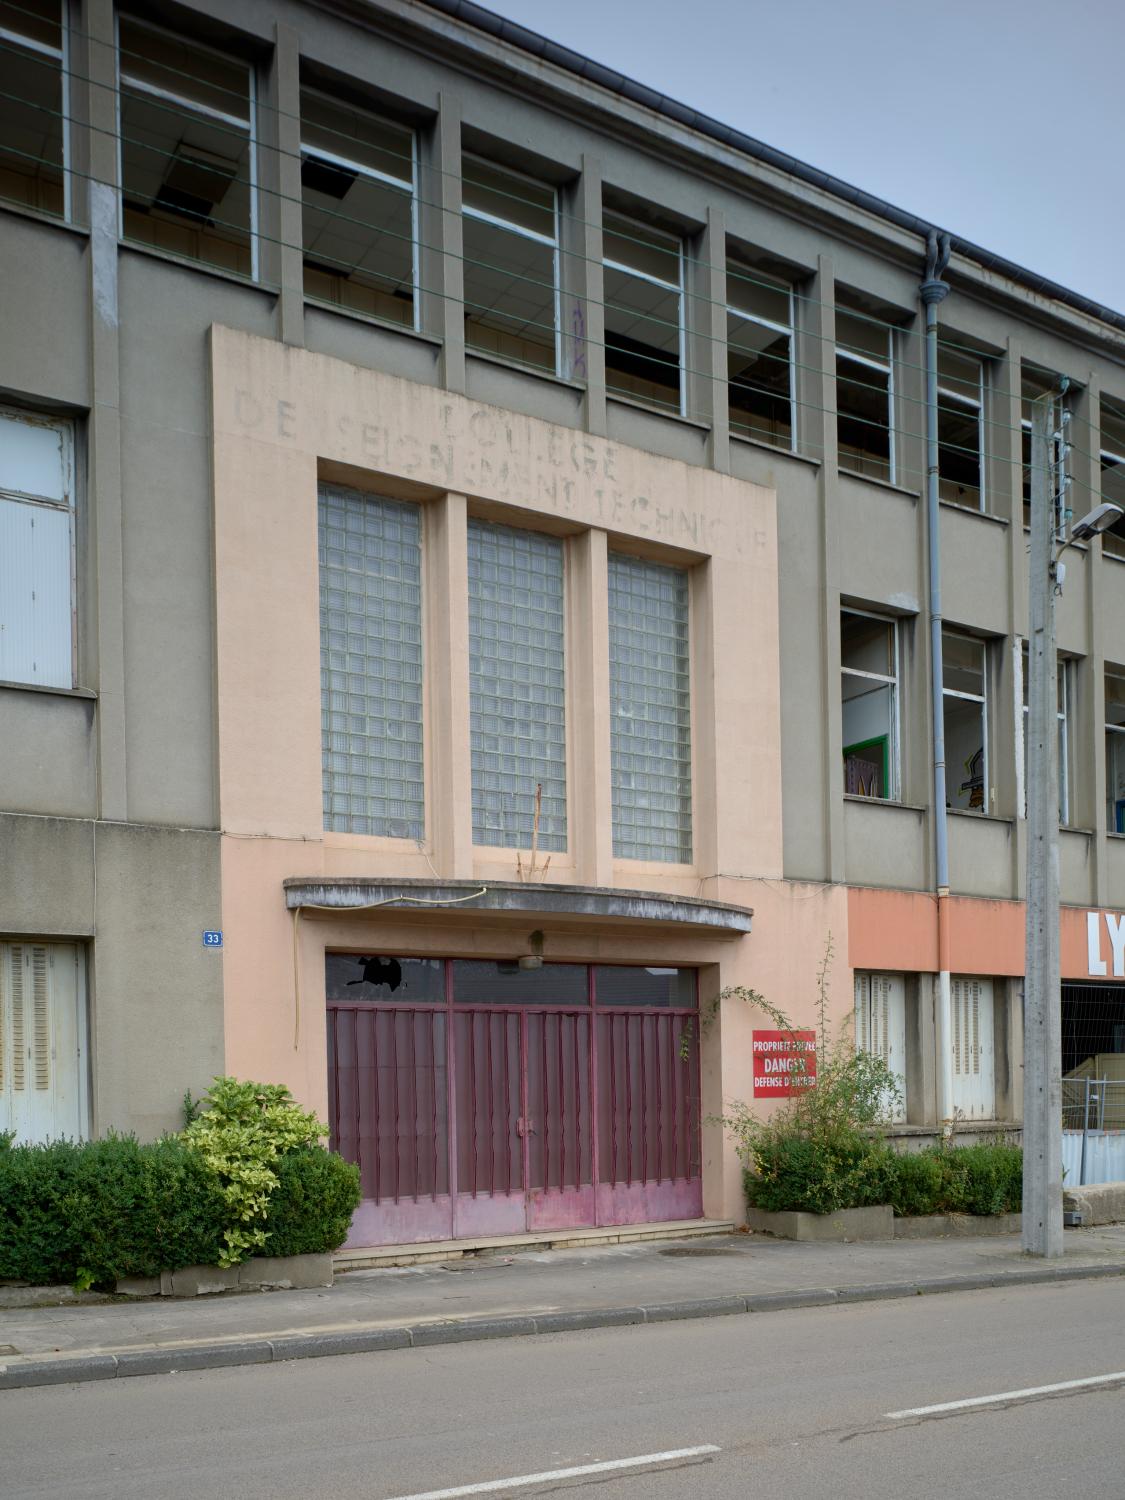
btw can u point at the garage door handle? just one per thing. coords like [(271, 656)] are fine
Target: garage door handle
[(524, 1127)]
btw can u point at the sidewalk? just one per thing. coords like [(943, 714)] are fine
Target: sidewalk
[(501, 1297)]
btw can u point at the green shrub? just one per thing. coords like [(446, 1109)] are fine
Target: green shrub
[(240, 1130), (817, 1174), (312, 1205), (915, 1183), (95, 1211), (979, 1180)]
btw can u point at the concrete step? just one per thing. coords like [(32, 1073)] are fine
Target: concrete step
[(368, 1258)]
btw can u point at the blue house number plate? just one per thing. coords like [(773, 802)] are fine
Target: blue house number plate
[(212, 940)]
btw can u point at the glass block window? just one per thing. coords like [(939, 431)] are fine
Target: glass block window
[(516, 686), (650, 703), (371, 663)]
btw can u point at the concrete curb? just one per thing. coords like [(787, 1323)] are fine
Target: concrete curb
[(162, 1361)]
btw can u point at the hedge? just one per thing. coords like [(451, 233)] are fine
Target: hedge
[(89, 1213), (853, 1171)]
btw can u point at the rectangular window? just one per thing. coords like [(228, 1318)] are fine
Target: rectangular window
[(760, 371), (644, 312), (869, 690), (42, 1041), (33, 104), (865, 395), (1065, 669), (511, 264), (1112, 463), (1034, 384), (1115, 748), (965, 691), (359, 210), (960, 428), (880, 1029), (650, 703), (37, 596), (517, 704), (187, 148), (371, 663), (972, 1047)]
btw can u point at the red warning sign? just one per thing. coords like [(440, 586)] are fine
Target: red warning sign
[(784, 1063)]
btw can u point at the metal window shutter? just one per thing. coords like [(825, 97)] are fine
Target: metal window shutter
[(862, 1012), (19, 1034), (41, 1014), (956, 1003), (5, 1008), (36, 626)]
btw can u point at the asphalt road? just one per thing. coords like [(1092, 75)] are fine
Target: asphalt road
[(794, 1404)]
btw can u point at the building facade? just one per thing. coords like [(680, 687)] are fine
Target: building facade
[(464, 607)]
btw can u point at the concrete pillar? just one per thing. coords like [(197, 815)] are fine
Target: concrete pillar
[(588, 707), (582, 284), (442, 275), (449, 818), (707, 342), (816, 387), (104, 664), (279, 213), (1005, 487)]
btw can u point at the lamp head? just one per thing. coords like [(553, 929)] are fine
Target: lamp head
[(1100, 519)]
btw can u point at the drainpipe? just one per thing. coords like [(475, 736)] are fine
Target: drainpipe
[(932, 291)]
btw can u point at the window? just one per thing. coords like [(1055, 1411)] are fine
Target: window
[(187, 148), (960, 428), (37, 614), (1035, 383), (974, 1077), (359, 209), (33, 104), (1063, 688), (760, 371), (869, 691), (644, 312), (517, 687), (42, 1041), (880, 1029), (371, 663), (1115, 749), (1113, 474), (511, 265), (965, 692), (865, 395), (650, 703)]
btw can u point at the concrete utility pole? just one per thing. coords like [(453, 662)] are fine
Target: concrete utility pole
[(1042, 1027)]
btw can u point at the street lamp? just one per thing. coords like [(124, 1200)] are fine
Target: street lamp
[(1042, 1112)]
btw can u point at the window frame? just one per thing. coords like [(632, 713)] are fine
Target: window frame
[(871, 363), (62, 54), (208, 112), (1065, 669), (790, 331), (1116, 548), (969, 403), (65, 426), (983, 698), (894, 777), (482, 216), (620, 266), (1118, 731), (373, 174)]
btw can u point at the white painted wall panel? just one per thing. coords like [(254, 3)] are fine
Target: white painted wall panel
[(32, 457), (36, 626)]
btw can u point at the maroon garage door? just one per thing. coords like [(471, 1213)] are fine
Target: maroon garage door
[(481, 1098)]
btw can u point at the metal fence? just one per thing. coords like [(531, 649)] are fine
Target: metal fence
[(1093, 1128)]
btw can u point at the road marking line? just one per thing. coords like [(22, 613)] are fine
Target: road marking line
[(549, 1475), (1031, 1390)]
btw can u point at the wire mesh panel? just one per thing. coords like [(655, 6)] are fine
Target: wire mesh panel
[(371, 663), (516, 686), (650, 699)]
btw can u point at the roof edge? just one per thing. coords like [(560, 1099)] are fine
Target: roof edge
[(536, 45)]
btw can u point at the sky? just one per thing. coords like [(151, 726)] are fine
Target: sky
[(999, 120)]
